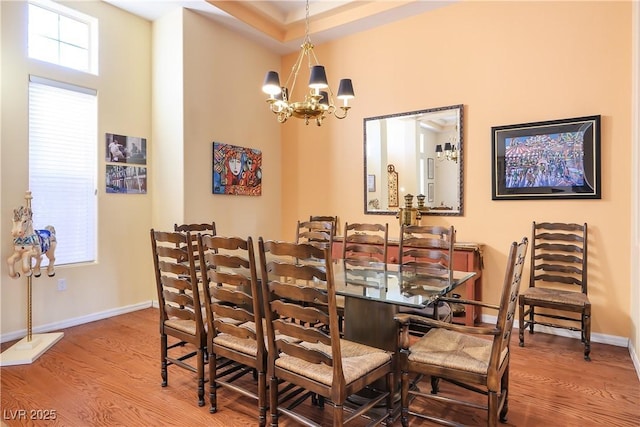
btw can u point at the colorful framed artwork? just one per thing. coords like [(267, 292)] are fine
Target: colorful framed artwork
[(126, 179), (236, 170), (125, 149), (557, 159)]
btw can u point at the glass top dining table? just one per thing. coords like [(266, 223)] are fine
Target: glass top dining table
[(406, 286), (373, 295)]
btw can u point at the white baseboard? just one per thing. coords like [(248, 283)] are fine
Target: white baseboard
[(634, 358), (599, 338), (56, 326)]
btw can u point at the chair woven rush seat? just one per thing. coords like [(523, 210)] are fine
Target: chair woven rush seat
[(235, 337), (305, 348), (185, 325), (558, 296), (454, 350), (245, 345), (357, 360), (475, 358), (557, 292), (178, 293)]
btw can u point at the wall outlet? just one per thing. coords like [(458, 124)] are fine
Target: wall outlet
[(62, 284)]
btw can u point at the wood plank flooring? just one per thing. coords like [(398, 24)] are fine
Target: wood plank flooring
[(107, 373)]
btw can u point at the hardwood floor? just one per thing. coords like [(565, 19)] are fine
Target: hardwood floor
[(107, 373)]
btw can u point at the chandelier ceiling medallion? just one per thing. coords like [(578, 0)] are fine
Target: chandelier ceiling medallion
[(318, 103)]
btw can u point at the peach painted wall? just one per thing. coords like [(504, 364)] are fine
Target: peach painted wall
[(200, 96), (507, 62), (223, 102)]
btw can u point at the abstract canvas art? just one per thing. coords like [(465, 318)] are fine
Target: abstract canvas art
[(236, 170)]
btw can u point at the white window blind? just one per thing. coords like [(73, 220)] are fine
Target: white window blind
[(63, 142)]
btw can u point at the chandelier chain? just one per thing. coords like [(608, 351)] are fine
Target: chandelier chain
[(306, 20)]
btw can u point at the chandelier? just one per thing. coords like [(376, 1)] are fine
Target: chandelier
[(450, 151), (318, 102)]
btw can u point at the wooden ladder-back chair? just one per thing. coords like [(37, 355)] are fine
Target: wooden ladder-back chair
[(428, 249), (326, 218), (297, 283), (205, 228), (194, 229), (462, 356), (558, 281), (365, 244), (317, 233), (235, 338), (179, 301)]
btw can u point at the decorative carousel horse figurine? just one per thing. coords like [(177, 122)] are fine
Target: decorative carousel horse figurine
[(29, 243)]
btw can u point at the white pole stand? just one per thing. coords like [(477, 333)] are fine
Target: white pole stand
[(25, 352)]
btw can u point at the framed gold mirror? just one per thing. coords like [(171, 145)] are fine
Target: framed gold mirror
[(416, 152)]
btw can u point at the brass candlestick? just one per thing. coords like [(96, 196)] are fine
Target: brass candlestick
[(408, 215)]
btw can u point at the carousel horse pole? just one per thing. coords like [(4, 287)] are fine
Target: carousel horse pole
[(29, 244)]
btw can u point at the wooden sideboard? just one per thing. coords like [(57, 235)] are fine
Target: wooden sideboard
[(467, 256)]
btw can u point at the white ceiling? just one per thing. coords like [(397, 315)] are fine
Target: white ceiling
[(285, 14)]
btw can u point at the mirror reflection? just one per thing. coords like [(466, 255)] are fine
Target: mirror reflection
[(417, 153)]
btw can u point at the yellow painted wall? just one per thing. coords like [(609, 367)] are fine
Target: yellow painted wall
[(166, 151), (120, 278), (507, 62)]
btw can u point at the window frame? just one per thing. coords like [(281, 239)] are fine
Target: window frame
[(74, 15)]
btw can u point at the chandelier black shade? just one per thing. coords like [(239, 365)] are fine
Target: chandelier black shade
[(318, 102)]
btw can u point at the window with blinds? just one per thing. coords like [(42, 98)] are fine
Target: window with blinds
[(63, 140)]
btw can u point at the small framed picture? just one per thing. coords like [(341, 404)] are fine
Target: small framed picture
[(430, 191), (125, 149), (430, 168), (371, 183), (126, 179)]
